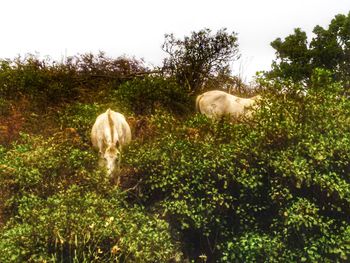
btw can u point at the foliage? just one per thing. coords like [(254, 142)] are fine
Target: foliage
[(79, 226), (269, 189), (46, 82), (44, 167), (144, 96), (80, 116), (328, 49), (331, 47), (253, 247), (199, 57), (36, 80), (57, 207), (100, 65), (293, 57)]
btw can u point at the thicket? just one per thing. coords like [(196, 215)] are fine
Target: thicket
[(144, 96), (271, 188), (57, 207), (56, 203), (47, 83)]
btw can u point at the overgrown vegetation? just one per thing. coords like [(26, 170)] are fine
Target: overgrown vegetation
[(144, 96), (269, 191), (56, 207), (271, 188)]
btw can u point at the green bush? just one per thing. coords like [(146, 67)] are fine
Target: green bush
[(144, 96), (46, 83), (43, 167), (37, 80), (254, 247), (196, 182), (79, 226), (80, 116), (273, 188), (56, 206)]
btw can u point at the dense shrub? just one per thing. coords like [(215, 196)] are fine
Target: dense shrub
[(271, 188), (196, 180), (275, 188), (56, 206), (48, 83), (79, 226), (80, 116), (42, 167), (143, 96), (37, 80)]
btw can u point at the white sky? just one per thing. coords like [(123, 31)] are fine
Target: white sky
[(57, 28)]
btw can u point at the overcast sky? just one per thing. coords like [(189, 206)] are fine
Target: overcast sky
[(136, 28)]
